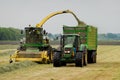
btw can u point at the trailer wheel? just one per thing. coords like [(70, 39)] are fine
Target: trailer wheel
[(94, 57), (56, 59), (89, 57), (79, 59)]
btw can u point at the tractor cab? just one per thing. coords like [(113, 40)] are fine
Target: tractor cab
[(70, 41)]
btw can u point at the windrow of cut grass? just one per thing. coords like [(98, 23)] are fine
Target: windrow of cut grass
[(6, 53), (14, 66), (9, 46), (5, 56)]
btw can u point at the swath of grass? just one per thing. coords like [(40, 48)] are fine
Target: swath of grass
[(15, 66), (7, 53), (2, 47)]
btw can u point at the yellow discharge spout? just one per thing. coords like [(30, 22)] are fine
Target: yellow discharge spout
[(56, 13)]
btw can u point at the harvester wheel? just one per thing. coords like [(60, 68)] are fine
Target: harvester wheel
[(56, 60), (79, 59), (48, 61), (10, 61)]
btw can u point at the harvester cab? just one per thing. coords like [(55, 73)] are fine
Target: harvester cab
[(35, 37), (32, 36)]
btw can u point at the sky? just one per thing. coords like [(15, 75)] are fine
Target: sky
[(104, 14)]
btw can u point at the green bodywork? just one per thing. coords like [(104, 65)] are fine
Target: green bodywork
[(69, 48), (88, 38), (34, 38), (88, 35)]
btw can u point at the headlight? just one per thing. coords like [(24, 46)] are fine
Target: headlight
[(67, 51)]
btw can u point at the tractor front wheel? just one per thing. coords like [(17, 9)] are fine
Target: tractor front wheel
[(79, 59), (56, 59)]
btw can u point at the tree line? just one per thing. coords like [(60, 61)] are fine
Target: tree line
[(10, 34), (109, 36), (14, 34)]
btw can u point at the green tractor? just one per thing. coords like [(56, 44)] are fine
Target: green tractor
[(70, 52), (77, 45)]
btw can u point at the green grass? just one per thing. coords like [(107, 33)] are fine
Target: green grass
[(14, 66), (5, 66), (6, 53), (2, 47)]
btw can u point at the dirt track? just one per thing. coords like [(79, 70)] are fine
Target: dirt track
[(106, 68)]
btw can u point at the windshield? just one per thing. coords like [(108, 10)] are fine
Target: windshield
[(33, 35), (69, 39)]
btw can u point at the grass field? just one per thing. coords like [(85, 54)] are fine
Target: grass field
[(4, 47), (106, 68)]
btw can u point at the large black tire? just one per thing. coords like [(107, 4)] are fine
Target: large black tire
[(89, 57), (10, 61), (63, 63), (92, 57), (56, 59), (79, 61)]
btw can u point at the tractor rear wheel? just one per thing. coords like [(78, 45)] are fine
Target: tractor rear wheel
[(79, 59), (56, 59)]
